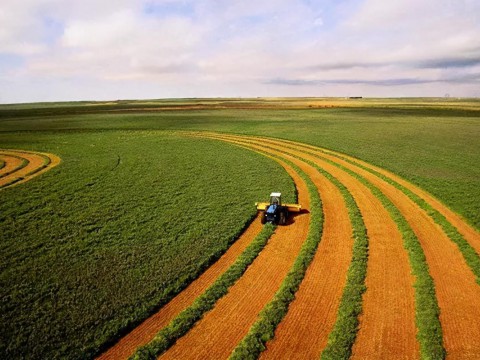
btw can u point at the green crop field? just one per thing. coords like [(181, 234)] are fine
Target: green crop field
[(136, 210), (126, 221)]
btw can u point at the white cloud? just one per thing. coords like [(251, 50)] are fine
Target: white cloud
[(225, 47)]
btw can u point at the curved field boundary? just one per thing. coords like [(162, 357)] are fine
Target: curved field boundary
[(217, 334), (31, 164), (274, 312), (414, 269), (146, 331), (205, 302), (390, 301), (460, 314)]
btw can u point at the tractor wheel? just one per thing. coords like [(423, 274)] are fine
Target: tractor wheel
[(283, 218)]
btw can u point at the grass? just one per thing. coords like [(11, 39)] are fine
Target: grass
[(272, 314), (205, 302), (97, 244), (430, 142)]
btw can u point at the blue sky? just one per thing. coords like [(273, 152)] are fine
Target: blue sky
[(53, 50)]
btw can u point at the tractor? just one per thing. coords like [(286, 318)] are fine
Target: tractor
[(275, 212)]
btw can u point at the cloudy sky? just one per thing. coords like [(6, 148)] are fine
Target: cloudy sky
[(130, 49)]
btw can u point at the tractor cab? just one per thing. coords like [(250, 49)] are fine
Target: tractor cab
[(275, 212), (276, 198)]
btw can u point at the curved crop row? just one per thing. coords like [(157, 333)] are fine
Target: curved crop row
[(470, 251), (427, 321), (471, 256), (344, 332), (273, 313), (426, 306), (15, 168), (427, 311), (32, 164), (343, 335), (188, 317)]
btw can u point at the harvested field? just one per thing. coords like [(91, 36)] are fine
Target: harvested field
[(147, 330), (304, 332), (388, 325), (389, 299), (21, 166), (217, 334)]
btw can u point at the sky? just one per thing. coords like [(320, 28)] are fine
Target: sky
[(61, 50)]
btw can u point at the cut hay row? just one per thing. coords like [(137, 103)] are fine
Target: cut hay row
[(392, 307), (205, 302), (12, 164), (147, 330), (22, 166), (459, 315), (312, 314), (414, 269), (218, 333), (274, 312)]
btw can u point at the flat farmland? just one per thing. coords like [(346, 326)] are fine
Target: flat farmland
[(143, 242)]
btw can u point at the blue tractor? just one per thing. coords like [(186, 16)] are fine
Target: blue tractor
[(275, 212)]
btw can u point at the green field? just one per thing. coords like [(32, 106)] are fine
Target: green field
[(126, 221), (136, 211)]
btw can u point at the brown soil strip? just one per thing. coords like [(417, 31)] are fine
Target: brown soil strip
[(469, 233), (11, 163), (145, 332), (217, 334), (304, 332), (34, 167), (387, 325), (457, 292)]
